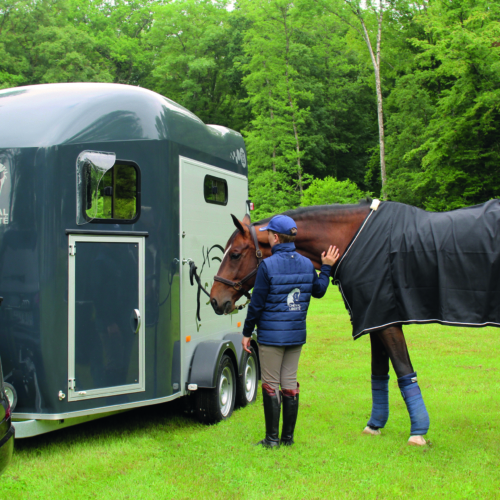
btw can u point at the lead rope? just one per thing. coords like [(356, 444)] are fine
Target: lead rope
[(194, 275)]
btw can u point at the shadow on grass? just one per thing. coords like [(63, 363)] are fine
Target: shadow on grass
[(138, 420)]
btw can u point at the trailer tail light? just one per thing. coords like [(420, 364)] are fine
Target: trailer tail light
[(7, 413), (250, 205)]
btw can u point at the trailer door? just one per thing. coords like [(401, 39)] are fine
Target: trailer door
[(106, 316), (208, 197)]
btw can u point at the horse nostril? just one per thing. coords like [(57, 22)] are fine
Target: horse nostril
[(215, 305)]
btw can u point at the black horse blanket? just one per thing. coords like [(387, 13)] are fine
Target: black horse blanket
[(406, 265)]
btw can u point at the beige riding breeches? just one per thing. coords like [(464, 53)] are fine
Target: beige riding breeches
[(279, 366)]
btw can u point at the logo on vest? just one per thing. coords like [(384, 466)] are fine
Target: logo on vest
[(293, 300)]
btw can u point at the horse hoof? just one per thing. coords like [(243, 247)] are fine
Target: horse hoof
[(372, 432), (417, 441)]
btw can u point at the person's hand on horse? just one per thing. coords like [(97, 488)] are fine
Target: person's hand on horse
[(331, 256), (245, 342)]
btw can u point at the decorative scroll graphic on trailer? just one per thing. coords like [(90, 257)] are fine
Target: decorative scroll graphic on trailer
[(203, 286)]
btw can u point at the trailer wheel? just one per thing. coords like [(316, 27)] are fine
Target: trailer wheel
[(214, 405), (249, 380)]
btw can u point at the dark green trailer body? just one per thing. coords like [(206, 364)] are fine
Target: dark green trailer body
[(94, 317)]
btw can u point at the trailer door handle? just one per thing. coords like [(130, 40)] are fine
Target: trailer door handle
[(137, 315)]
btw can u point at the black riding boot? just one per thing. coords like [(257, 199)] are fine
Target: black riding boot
[(272, 409), (290, 411)]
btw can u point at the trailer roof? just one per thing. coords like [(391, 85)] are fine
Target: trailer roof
[(78, 113)]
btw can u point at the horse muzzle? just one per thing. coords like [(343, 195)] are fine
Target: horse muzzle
[(226, 307)]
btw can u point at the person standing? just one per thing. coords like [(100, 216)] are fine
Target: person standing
[(283, 288)]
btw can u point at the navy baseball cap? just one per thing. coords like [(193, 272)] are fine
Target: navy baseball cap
[(281, 224)]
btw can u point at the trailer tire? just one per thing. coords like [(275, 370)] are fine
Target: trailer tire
[(214, 405), (248, 382)]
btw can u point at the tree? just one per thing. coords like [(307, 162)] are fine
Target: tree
[(331, 123), (329, 190), (279, 104), (191, 42), (375, 56), (119, 30), (38, 44), (450, 129)]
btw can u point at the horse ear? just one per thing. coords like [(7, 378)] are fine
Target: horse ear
[(247, 220), (238, 225)]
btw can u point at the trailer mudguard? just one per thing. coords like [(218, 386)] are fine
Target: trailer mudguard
[(236, 338), (206, 359)]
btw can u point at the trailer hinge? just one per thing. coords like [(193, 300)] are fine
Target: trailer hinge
[(71, 384), (72, 249)]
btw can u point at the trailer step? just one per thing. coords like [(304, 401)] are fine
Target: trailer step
[(30, 428)]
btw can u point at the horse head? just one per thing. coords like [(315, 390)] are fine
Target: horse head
[(236, 275)]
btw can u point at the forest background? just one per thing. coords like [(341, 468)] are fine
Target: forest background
[(297, 79)]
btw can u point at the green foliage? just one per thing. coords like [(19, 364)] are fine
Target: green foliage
[(118, 29), (271, 194), (193, 42), (372, 176), (40, 44), (411, 108), (309, 97), (297, 80), (329, 190), (279, 102), (446, 113)]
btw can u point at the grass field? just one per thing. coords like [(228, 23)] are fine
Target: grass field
[(158, 453)]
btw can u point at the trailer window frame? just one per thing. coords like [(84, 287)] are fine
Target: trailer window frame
[(220, 179), (95, 220)]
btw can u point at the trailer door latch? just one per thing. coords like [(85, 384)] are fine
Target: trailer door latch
[(71, 384)]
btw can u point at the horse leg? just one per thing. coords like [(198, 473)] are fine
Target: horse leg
[(394, 343), (380, 387)]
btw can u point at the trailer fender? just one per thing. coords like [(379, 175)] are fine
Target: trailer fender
[(236, 339), (206, 359)]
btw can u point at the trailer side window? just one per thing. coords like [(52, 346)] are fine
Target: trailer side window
[(215, 190), (118, 195)]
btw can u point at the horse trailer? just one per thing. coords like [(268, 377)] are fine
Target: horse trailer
[(114, 209)]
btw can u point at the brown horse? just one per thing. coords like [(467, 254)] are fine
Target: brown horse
[(318, 228)]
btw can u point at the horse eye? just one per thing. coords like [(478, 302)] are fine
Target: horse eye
[(235, 256)]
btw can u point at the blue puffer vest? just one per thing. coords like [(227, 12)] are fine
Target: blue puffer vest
[(291, 276)]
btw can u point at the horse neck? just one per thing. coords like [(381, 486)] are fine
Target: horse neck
[(317, 230)]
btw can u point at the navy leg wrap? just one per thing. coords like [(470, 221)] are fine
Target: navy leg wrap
[(380, 404), (415, 404)]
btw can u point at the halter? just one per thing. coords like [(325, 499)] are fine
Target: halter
[(238, 285)]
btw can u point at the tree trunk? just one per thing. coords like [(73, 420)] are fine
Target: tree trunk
[(378, 86), (290, 102)]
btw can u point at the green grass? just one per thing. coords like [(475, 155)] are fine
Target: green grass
[(156, 452)]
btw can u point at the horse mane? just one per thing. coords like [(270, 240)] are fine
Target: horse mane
[(318, 210)]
